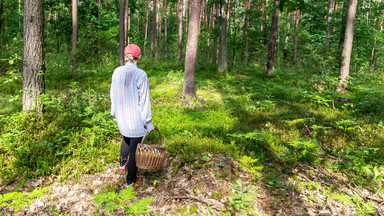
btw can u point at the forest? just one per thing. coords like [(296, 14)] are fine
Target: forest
[(264, 107)]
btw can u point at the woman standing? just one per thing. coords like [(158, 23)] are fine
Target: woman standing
[(131, 109)]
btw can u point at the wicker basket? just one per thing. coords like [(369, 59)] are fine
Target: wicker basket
[(150, 156)]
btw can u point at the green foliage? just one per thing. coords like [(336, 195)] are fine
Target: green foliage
[(242, 200), (18, 200), (363, 208), (306, 150), (250, 164), (111, 201)]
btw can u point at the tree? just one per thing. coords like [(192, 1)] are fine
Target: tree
[(272, 40), (328, 37), (191, 52), (74, 35), (165, 30), (216, 21), (297, 17), (121, 32), (180, 45), (347, 46), (223, 37), (33, 62), (247, 7), (154, 30), (127, 21)]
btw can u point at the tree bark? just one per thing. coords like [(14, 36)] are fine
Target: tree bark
[(154, 29), (272, 40), (297, 17), (166, 30), (228, 17), (328, 37), (214, 56), (127, 20), (191, 52), (286, 39), (247, 7), (160, 18), (223, 37), (343, 24), (74, 35), (33, 61), (180, 47), (121, 32), (146, 24), (347, 46), (1, 25)]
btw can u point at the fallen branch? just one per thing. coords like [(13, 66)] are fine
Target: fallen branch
[(216, 205)]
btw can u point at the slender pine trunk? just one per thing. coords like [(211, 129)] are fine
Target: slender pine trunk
[(180, 45), (74, 35), (191, 52), (347, 46), (272, 41)]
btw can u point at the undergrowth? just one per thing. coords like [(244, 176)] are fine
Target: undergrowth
[(288, 118)]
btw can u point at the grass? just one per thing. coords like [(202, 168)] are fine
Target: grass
[(241, 113)]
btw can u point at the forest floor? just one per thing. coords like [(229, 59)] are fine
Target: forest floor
[(189, 191)]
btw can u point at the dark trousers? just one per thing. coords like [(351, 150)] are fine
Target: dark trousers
[(128, 147)]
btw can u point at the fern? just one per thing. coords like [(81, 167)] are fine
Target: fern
[(111, 201), (18, 200), (361, 207), (140, 207)]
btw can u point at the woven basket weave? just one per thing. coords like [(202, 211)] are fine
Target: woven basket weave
[(150, 156)]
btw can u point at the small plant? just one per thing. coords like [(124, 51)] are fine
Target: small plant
[(111, 201), (355, 200), (242, 200), (18, 200), (306, 150), (249, 164)]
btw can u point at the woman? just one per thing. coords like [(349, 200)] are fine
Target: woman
[(131, 108)]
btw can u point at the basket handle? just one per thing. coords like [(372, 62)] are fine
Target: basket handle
[(142, 140)]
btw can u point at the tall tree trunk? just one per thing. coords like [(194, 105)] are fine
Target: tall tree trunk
[(74, 35), (272, 40), (180, 47), (33, 61), (297, 17), (191, 52), (146, 24), (154, 28), (121, 32), (247, 7), (228, 17), (160, 17), (187, 10), (1, 26), (127, 22), (223, 37), (205, 20), (347, 46), (286, 39), (343, 24), (126, 8), (214, 57), (166, 30), (266, 18), (328, 37)]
